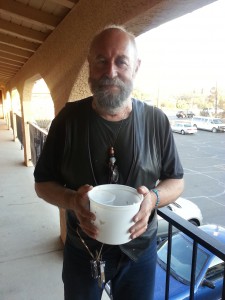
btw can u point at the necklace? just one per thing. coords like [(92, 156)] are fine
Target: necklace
[(113, 168), (110, 153), (97, 264)]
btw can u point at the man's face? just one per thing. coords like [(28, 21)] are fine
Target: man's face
[(112, 68)]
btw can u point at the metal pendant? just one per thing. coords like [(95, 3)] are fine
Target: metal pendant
[(94, 269)]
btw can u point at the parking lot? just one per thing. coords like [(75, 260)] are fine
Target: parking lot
[(203, 159)]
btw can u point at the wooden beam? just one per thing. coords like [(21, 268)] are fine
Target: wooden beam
[(16, 51), (8, 67), (25, 33), (2, 72), (4, 77), (9, 71), (12, 57), (16, 42), (30, 14), (66, 3), (11, 63)]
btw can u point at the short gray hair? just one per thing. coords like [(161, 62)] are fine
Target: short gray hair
[(119, 27)]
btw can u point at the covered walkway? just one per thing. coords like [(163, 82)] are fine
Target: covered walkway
[(31, 248)]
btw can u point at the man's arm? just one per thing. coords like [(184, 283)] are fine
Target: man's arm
[(56, 194), (77, 201), (168, 191)]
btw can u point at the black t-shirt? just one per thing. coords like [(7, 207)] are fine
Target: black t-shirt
[(103, 135)]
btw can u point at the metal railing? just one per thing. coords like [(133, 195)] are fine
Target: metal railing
[(198, 236), (37, 139), (19, 130)]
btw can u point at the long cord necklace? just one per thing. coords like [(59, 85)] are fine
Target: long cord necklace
[(113, 168), (97, 264)]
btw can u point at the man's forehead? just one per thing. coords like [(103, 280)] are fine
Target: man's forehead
[(113, 39), (123, 51)]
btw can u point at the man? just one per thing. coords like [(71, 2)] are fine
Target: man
[(109, 138)]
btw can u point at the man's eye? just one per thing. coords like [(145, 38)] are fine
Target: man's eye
[(101, 61), (122, 63)]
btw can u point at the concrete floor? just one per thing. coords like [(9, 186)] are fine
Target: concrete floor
[(30, 245)]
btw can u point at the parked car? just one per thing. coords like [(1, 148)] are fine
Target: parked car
[(185, 209), (183, 128), (208, 123), (209, 268), (212, 112), (182, 114), (190, 114)]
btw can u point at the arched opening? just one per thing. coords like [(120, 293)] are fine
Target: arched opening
[(41, 106), (16, 104)]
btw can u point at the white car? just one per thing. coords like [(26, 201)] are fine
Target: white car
[(183, 128), (207, 123), (185, 209)]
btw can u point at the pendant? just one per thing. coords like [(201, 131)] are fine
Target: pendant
[(98, 271), (113, 169), (101, 279), (94, 269)]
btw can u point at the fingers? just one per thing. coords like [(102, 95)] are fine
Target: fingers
[(142, 217), (138, 229), (82, 211), (91, 230)]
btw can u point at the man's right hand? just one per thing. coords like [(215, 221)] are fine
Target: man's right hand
[(77, 201), (82, 210)]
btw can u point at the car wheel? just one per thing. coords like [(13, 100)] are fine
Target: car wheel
[(194, 222), (214, 130), (182, 132)]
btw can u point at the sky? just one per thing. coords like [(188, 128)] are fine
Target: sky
[(185, 54)]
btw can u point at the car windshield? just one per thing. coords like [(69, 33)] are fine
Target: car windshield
[(187, 125), (181, 258), (217, 121)]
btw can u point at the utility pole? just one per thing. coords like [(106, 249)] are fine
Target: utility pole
[(216, 100)]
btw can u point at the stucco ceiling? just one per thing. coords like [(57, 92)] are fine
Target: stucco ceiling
[(24, 26)]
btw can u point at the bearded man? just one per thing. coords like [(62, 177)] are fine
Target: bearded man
[(109, 138)]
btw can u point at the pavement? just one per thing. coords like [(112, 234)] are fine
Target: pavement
[(31, 251)]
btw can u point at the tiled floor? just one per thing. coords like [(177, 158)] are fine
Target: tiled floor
[(30, 246)]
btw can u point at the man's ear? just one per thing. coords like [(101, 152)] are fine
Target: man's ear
[(138, 63)]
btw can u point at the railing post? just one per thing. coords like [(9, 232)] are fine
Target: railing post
[(14, 127), (169, 252), (193, 270)]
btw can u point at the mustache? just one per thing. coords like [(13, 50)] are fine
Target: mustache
[(111, 81)]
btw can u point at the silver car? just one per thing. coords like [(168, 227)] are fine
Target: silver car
[(183, 128)]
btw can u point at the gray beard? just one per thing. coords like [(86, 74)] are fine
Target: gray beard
[(106, 99)]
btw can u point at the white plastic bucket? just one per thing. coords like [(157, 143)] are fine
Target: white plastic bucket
[(114, 206)]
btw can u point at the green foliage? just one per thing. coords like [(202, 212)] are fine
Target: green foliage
[(185, 101), (138, 94), (43, 123)]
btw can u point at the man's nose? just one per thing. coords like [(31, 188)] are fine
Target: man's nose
[(111, 70)]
